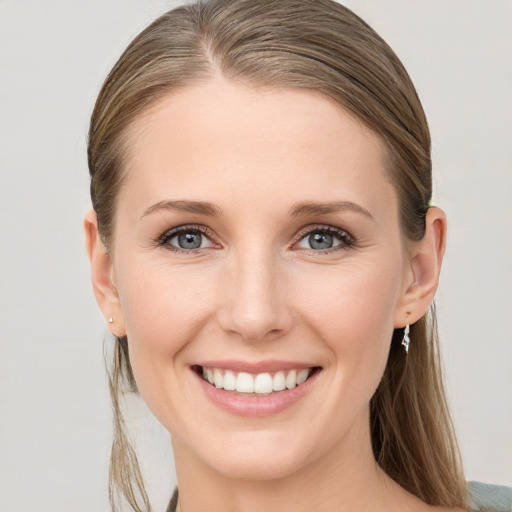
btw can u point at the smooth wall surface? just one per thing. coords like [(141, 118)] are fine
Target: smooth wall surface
[(54, 407)]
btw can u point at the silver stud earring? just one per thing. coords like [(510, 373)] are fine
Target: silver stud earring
[(406, 340), (110, 320)]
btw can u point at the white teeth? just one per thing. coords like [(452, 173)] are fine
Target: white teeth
[(302, 376), (279, 381), (229, 381), (261, 383), (218, 379), (291, 379), (245, 383)]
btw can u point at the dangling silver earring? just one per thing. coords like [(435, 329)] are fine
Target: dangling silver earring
[(110, 320), (406, 340)]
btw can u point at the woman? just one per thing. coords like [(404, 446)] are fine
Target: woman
[(263, 248)]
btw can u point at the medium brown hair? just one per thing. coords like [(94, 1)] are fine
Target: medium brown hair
[(315, 45)]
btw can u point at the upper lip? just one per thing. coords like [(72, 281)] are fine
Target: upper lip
[(255, 367)]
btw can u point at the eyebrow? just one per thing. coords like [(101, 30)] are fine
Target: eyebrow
[(297, 210), (199, 207), (311, 208)]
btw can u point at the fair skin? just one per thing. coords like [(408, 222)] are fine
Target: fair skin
[(260, 281)]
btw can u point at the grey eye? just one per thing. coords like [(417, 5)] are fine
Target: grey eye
[(320, 241), (189, 240), (323, 239)]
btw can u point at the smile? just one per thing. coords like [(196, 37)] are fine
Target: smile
[(262, 384), (255, 390)]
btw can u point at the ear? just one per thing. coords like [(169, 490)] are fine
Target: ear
[(426, 257), (103, 277)]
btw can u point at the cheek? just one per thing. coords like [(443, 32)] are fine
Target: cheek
[(352, 311), (164, 308), (358, 298)]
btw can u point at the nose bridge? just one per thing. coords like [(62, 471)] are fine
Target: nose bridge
[(256, 306)]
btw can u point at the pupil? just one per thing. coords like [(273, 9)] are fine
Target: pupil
[(189, 240), (320, 241)]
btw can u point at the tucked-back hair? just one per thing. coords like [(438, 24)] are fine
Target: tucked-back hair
[(315, 45)]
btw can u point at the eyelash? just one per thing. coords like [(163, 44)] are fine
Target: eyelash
[(169, 235), (347, 240)]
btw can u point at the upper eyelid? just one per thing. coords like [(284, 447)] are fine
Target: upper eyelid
[(347, 239), (165, 238), (321, 227), (171, 233)]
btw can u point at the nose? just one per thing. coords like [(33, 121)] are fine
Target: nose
[(255, 306)]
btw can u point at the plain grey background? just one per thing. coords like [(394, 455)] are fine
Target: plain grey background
[(55, 422)]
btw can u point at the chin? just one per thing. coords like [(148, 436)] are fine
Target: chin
[(260, 467), (256, 456)]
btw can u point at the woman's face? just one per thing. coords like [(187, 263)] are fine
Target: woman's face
[(257, 241)]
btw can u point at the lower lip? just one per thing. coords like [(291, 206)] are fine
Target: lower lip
[(256, 406)]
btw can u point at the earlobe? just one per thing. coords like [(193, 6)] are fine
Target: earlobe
[(426, 259), (102, 276)]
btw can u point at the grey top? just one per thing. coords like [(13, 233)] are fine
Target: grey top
[(482, 497), (490, 498)]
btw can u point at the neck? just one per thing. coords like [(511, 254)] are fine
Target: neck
[(345, 479)]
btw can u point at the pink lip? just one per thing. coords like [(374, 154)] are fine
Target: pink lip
[(256, 406), (270, 365)]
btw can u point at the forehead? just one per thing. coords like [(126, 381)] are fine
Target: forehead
[(219, 136)]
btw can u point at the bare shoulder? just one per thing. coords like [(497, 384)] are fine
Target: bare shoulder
[(448, 509)]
